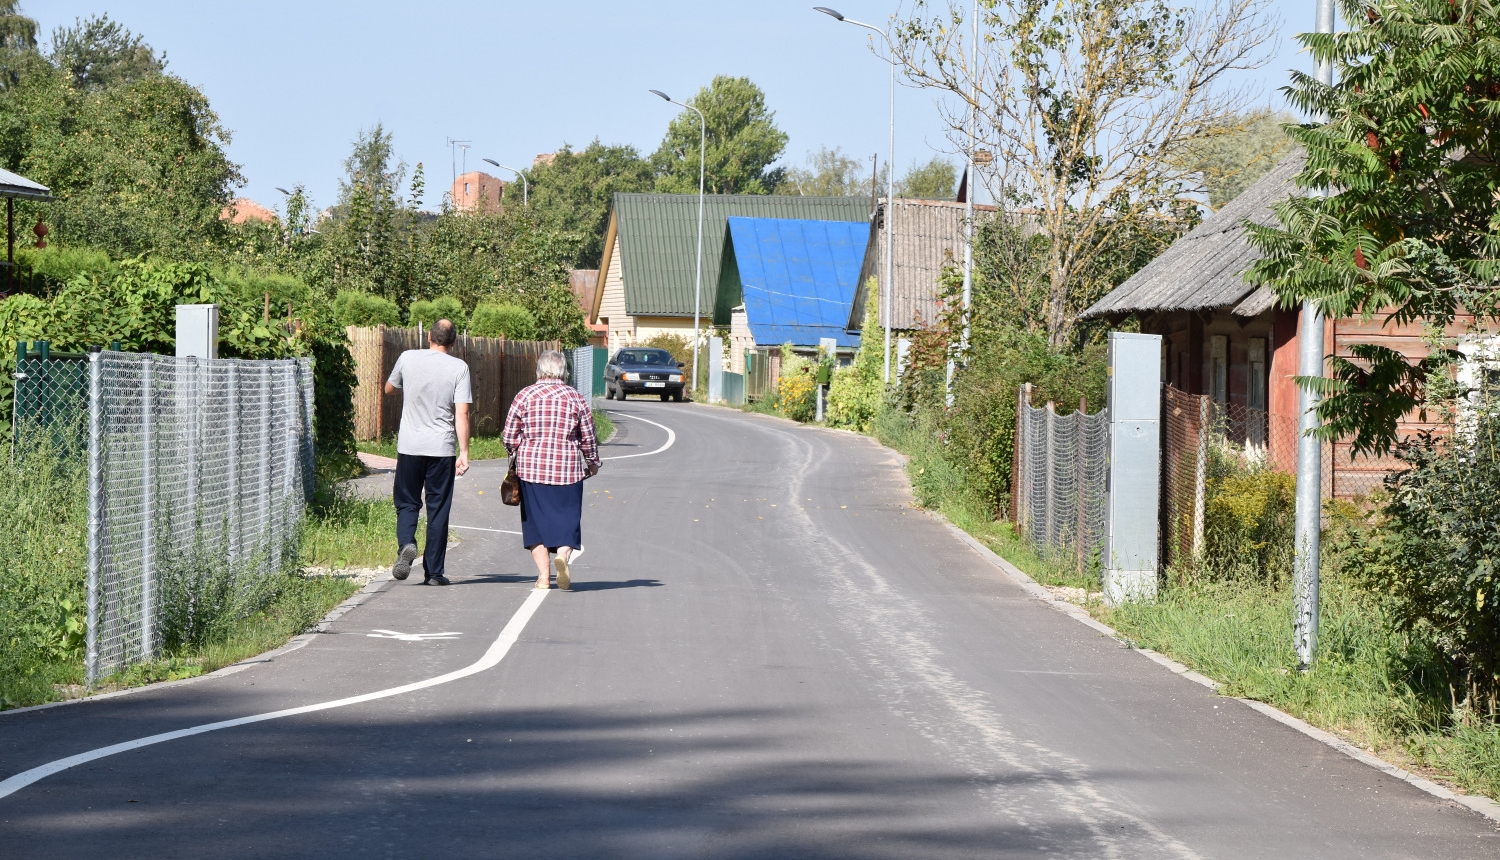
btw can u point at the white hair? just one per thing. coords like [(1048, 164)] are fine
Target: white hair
[(551, 365)]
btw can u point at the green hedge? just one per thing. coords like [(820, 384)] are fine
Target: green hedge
[(510, 321)]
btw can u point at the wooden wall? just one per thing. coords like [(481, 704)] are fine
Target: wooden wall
[(498, 368)]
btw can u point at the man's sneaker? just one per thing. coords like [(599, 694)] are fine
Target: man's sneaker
[(403, 561), (435, 580)]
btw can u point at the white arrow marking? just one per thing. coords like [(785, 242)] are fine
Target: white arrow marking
[(412, 637)]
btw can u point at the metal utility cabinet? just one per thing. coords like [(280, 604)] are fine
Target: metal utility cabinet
[(1131, 527)]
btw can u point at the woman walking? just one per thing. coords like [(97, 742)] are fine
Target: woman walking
[(550, 432)]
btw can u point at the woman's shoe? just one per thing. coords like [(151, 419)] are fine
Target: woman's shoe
[(564, 580), (545, 586)]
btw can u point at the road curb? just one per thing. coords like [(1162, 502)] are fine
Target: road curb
[(1475, 803), (373, 587)]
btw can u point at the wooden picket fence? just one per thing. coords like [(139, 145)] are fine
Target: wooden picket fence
[(498, 368)]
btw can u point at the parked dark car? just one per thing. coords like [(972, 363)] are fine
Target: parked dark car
[(641, 370)]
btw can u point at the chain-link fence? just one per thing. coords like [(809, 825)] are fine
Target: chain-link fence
[(1210, 449), (51, 394), (1060, 481), (199, 470)]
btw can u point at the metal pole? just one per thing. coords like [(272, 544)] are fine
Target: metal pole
[(233, 418), (148, 506), (1309, 447), (263, 478), (890, 213), (698, 279), (1050, 486), (963, 342), (96, 523)]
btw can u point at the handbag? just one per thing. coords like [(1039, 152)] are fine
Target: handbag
[(510, 488)]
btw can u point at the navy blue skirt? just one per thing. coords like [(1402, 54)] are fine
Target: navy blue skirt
[(551, 515)]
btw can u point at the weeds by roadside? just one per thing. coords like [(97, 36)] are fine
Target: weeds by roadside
[(1382, 688)]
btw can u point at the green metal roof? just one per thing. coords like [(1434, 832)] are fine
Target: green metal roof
[(658, 236)]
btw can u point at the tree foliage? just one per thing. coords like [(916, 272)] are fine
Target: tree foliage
[(573, 192), (1412, 232), (827, 173), (742, 143), (134, 155), (935, 180), (98, 53), (1228, 159), (1088, 107)]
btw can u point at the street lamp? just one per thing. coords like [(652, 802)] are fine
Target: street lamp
[(525, 186), (698, 281), (887, 286)]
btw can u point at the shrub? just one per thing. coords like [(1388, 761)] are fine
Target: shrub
[(796, 392), (1248, 526), (508, 321), (1438, 555), (680, 347), (440, 308), (857, 391), (364, 309)]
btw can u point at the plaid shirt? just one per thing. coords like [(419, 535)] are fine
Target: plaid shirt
[(549, 425)]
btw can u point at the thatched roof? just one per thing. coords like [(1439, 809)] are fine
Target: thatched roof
[(1206, 268)]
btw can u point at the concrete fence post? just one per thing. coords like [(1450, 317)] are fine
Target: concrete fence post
[(96, 519)]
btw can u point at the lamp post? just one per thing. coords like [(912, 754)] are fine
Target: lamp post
[(698, 280), (525, 186), (886, 286)]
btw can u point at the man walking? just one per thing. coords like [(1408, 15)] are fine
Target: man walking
[(434, 421)]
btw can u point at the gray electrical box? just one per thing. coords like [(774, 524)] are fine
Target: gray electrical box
[(197, 331), (1133, 504)]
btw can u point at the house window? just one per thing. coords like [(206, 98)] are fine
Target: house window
[(1258, 375), (1218, 368)]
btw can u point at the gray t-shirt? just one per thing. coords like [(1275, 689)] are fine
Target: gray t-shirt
[(430, 382)]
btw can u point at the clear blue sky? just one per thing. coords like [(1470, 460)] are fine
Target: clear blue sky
[(295, 81)]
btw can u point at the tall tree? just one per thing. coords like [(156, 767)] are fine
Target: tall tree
[(743, 142), (572, 193), (135, 167), (368, 234), (98, 53), (934, 180), (827, 173), (1088, 106), (1230, 158), (17, 32), (1412, 232)]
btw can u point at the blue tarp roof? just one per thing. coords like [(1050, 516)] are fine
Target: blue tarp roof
[(797, 278)]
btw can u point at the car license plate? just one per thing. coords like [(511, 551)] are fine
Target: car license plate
[(656, 385)]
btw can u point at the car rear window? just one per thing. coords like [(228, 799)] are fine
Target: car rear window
[(646, 356)]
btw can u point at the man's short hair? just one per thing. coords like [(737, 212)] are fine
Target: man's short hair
[(551, 365), (443, 333)]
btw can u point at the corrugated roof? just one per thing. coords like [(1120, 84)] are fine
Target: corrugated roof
[(658, 235), (795, 277), (929, 235), (1206, 268), (16, 185)]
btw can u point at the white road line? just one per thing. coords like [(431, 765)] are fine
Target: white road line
[(491, 658), (478, 529), (671, 436)]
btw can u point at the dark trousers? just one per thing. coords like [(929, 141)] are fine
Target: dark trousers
[(434, 475)]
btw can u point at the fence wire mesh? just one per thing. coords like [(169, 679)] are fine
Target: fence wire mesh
[(581, 366), (198, 468), (1061, 475), (1207, 445)]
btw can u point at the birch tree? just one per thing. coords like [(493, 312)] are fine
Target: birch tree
[(1089, 107)]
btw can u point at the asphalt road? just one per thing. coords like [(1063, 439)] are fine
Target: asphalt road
[(768, 654)]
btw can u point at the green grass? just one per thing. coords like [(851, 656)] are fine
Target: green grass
[(344, 531), (483, 447), (1374, 685)]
